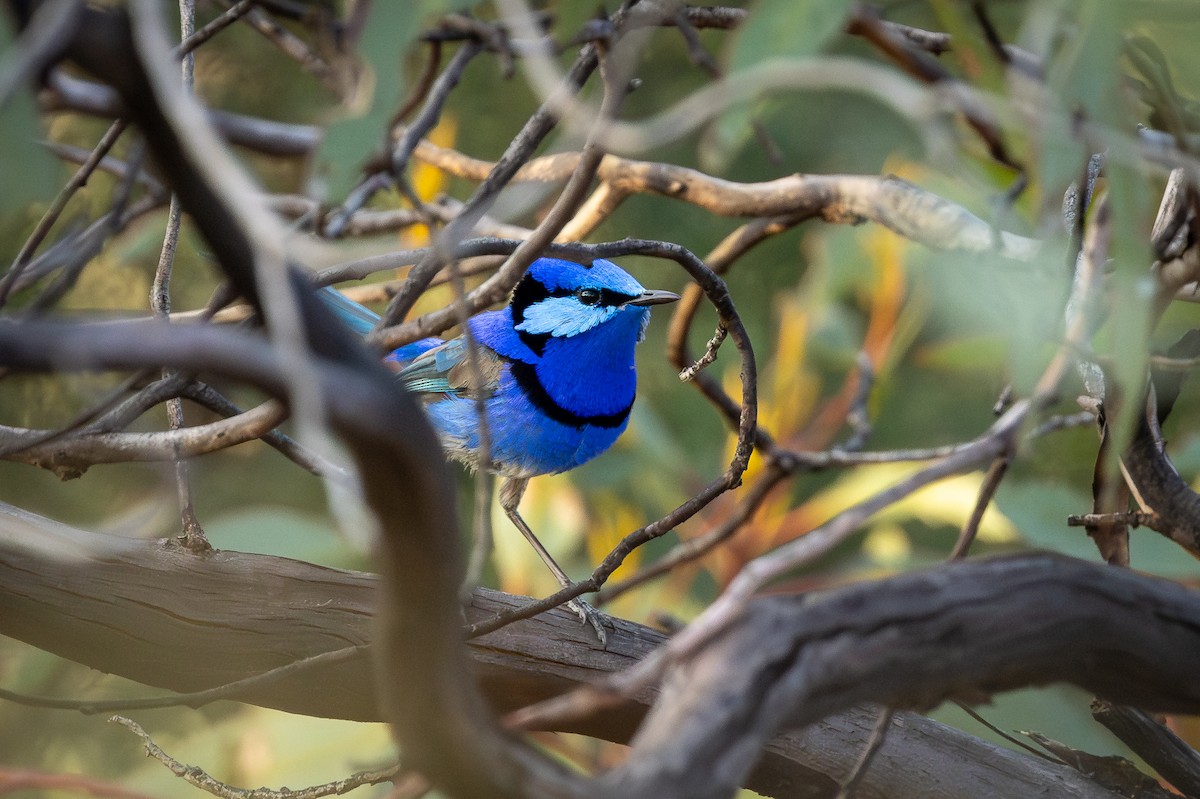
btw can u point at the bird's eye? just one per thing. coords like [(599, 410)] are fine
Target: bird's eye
[(588, 296)]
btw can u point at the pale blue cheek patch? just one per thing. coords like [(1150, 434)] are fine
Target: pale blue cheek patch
[(563, 316)]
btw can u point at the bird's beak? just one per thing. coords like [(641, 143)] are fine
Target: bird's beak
[(654, 297)]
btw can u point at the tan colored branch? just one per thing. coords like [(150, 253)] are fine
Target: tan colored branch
[(841, 199), (70, 455)]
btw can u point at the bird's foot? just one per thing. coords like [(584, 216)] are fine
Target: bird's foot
[(589, 615)]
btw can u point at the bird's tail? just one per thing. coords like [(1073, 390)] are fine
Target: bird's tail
[(362, 321), (357, 317)]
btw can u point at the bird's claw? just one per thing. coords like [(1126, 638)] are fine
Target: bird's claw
[(589, 615)]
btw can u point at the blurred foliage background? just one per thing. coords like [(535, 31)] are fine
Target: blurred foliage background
[(945, 331)]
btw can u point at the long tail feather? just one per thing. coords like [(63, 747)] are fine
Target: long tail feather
[(358, 318)]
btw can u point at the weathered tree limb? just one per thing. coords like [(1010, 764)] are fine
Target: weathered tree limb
[(889, 201), (429, 694), (188, 623), (68, 92), (70, 454), (1161, 489), (447, 732), (1166, 752), (911, 641)]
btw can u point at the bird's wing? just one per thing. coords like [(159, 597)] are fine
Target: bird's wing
[(428, 366), (446, 369)]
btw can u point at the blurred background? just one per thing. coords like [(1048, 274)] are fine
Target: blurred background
[(945, 332)]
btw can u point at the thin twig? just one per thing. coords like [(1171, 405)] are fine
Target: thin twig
[(991, 482), (421, 89), (695, 48), (1131, 518), (210, 398), (1012, 739), (920, 65), (196, 776), (192, 537), (695, 548), (195, 699), (295, 48), (432, 110), (709, 356), (228, 17), (114, 221), (77, 181), (874, 743), (858, 417), (335, 225)]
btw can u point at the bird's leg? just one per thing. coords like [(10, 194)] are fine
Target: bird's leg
[(511, 491)]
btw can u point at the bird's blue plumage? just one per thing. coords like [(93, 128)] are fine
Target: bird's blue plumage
[(553, 372), (359, 319), (555, 368)]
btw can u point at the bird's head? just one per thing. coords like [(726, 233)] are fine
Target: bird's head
[(562, 298)]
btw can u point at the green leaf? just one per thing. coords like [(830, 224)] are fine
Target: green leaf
[(349, 141), (388, 34), (1039, 512), (1059, 711), (1085, 78), (795, 28), (28, 172), (279, 531), (790, 28)]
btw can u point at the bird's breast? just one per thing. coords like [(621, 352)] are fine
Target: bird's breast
[(605, 407)]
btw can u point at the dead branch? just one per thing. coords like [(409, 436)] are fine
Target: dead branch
[(1166, 752), (193, 623), (844, 199), (911, 642), (70, 455)]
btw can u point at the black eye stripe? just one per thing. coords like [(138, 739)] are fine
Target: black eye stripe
[(608, 297), (531, 291), (527, 378)]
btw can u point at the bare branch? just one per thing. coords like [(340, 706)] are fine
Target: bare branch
[(71, 456), (202, 780), (843, 199), (208, 630), (1162, 749), (909, 641)]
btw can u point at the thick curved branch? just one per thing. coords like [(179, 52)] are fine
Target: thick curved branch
[(367, 408), (189, 624), (1160, 488), (909, 642), (464, 751)]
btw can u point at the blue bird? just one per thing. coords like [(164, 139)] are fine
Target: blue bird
[(557, 370)]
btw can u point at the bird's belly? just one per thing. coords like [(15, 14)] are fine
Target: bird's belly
[(523, 441)]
